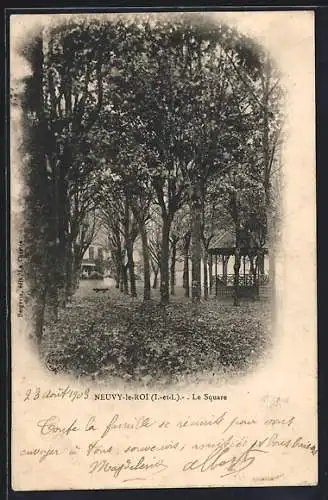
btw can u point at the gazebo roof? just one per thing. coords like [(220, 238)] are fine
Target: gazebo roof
[(224, 243), (224, 239)]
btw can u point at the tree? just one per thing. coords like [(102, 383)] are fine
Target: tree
[(186, 247), (173, 98), (83, 197), (155, 242), (63, 98), (126, 166), (260, 96), (141, 117), (210, 223), (71, 63), (179, 226), (121, 225)]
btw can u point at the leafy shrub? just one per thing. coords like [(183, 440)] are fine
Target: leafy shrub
[(135, 340)]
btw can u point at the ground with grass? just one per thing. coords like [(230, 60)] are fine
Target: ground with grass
[(109, 334)]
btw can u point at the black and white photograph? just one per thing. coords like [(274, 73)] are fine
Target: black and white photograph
[(153, 169), (163, 238)]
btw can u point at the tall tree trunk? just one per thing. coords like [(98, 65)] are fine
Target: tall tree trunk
[(52, 287), (130, 265), (172, 268), (146, 259), (116, 259), (236, 268), (70, 274), (63, 209), (117, 271), (196, 246), (155, 278), (186, 275), (186, 245), (253, 272), (124, 279), (76, 273), (205, 272), (121, 273), (256, 277), (164, 289), (210, 268), (52, 303)]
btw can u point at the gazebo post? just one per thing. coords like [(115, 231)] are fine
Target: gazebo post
[(223, 266), (211, 271)]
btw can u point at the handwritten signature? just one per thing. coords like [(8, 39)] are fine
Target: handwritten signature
[(220, 458), (155, 466)]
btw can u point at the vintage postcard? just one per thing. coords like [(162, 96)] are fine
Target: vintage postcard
[(163, 250)]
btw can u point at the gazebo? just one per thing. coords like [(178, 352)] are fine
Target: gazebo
[(252, 273)]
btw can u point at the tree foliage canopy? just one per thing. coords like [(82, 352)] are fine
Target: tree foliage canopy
[(182, 119)]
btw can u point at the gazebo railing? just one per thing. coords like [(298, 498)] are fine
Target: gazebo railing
[(243, 281)]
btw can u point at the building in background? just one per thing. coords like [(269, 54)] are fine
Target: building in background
[(95, 259)]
